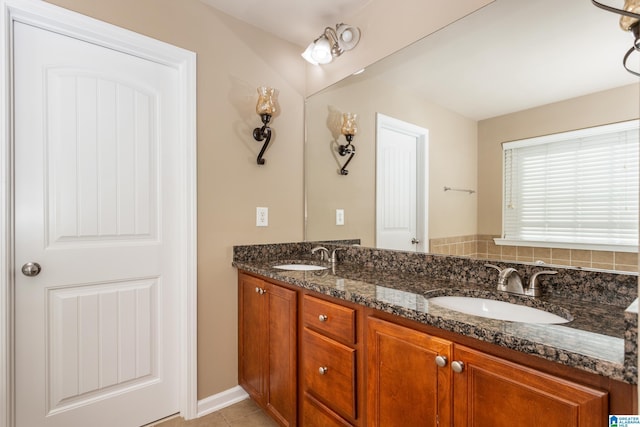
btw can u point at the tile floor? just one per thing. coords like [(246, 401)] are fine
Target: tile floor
[(242, 414)]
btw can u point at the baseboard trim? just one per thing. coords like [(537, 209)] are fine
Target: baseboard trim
[(221, 400)]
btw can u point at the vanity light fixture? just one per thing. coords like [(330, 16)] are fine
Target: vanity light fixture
[(265, 108), (630, 21), (331, 44), (349, 129)]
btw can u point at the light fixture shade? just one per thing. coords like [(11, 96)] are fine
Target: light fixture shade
[(627, 22), (307, 54), (266, 103), (348, 36), (321, 52), (349, 125)]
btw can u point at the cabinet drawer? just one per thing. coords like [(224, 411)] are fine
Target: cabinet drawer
[(330, 318), (315, 414), (329, 372)]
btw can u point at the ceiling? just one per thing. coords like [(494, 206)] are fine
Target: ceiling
[(479, 66), (297, 21)]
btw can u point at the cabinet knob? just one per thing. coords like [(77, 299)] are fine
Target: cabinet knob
[(441, 361), (261, 291), (257, 290), (323, 318), (457, 366), (322, 370)]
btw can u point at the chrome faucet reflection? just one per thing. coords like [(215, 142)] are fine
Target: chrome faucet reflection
[(509, 280)]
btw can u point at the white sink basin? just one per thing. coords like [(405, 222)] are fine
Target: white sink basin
[(499, 310), (300, 267)]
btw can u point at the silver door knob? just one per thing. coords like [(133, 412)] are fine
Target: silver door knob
[(31, 269), (415, 241)]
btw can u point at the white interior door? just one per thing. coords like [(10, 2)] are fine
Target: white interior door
[(96, 206), (401, 183)]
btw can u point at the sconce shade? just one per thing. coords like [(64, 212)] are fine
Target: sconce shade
[(266, 104), (321, 52), (348, 36), (349, 125), (627, 22), (307, 54)]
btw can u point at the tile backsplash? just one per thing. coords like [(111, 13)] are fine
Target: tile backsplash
[(483, 246)]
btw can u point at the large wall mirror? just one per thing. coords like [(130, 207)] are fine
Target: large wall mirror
[(514, 69)]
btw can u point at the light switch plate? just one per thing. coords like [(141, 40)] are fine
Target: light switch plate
[(262, 217), (339, 216)]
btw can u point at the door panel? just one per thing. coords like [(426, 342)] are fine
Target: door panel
[(95, 205), (100, 157), (100, 339)]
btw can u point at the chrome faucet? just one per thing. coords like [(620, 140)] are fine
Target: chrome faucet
[(509, 280), (324, 254)]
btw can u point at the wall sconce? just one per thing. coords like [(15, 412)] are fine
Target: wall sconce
[(332, 43), (349, 129), (265, 108), (628, 22)]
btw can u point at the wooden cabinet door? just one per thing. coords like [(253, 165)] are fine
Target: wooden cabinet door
[(405, 386), (491, 392), (252, 337), (282, 353), (267, 346)]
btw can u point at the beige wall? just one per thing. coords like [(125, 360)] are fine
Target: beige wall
[(452, 161), (233, 59), (610, 106)]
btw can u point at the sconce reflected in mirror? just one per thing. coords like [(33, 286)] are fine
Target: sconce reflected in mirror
[(629, 21), (265, 108), (349, 129)]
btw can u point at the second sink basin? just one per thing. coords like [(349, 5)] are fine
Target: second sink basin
[(300, 267), (499, 310)]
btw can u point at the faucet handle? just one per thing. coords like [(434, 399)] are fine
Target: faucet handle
[(494, 266)]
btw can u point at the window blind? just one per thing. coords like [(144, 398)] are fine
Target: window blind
[(574, 188)]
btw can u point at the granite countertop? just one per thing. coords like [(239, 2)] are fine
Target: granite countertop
[(594, 340)]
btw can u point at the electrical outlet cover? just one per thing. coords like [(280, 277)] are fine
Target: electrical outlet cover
[(262, 217)]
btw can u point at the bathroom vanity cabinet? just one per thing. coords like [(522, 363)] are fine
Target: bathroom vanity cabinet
[(414, 376), (359, 366), (267, 346), (329, 359)]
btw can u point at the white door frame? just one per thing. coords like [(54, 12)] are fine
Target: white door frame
[(53, 18), (422, 174)]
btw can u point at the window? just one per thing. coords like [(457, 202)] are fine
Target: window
[(575, 190)]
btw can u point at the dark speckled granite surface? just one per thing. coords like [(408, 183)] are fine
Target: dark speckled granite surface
[(600, 338)]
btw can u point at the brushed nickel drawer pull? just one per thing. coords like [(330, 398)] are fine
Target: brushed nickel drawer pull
[(323, 370), (323, 317)]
